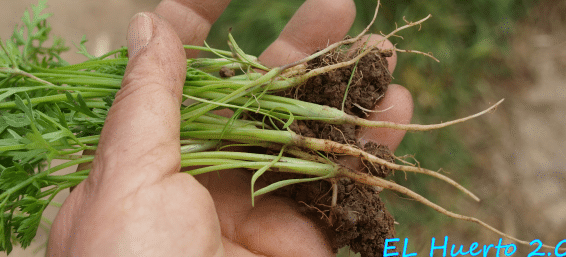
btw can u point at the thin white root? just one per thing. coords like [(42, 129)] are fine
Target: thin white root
[(334, 194), (414, 127), (365, 51), (376, 181), (331, 146), (337, 44), (416, 52), (408, 25), (373, 111)]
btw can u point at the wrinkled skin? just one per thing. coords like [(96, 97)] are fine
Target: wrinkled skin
[(136, 203)]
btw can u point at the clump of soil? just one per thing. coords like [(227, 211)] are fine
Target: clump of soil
[(366, 87), (359, 218)]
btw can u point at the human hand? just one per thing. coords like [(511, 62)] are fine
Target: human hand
[(135, 201)]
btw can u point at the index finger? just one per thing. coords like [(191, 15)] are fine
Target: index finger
[(191, 19), (315, 25)]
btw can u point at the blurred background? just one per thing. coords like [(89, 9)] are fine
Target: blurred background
[(514, 159)]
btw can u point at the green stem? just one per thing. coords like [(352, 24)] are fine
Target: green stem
[(77, 73), (262, 170), (301, 110), (84, 140), (243, 135), (310, 111), (207, 49), (243, 157), (107, 82), (93, 64), (55, 87), (189, 117), (53, 98), (348, 86), (314, 169), (113, 52)]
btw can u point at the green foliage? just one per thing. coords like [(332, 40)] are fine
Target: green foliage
[(30, 38), (31, 135), (82, 48)]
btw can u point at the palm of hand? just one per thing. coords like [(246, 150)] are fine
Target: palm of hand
[(136, 203)]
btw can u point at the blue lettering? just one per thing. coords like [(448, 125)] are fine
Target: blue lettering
[(486, 250), (498, 246), (558, 247), (459, 252), (405, 249), (510, 246), (387, 247), (443, 247), (473, 247), (505, 248)]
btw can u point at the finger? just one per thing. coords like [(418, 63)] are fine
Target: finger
[(191, 19), (315, 25), (276, 228), (273, 227), (396, 106), (370, 40), (139, 142)]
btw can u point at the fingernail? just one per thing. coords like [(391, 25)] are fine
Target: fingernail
[(139, 33)]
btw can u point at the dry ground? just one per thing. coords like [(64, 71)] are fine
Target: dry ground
[(528, 161)]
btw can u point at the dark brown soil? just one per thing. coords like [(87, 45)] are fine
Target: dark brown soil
[(366, 87), (359, 218)]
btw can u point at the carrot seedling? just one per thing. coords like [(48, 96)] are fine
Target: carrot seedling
[(52, 110)]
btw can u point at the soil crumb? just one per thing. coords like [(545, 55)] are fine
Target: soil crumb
[(361, 220), (358, 218)]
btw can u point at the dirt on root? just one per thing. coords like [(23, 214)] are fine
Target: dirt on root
[(363, 89), (358, 218)]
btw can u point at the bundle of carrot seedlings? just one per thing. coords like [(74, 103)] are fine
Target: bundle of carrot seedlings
[(50, 110)]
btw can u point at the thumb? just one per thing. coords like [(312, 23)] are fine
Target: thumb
[(140, 139)]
